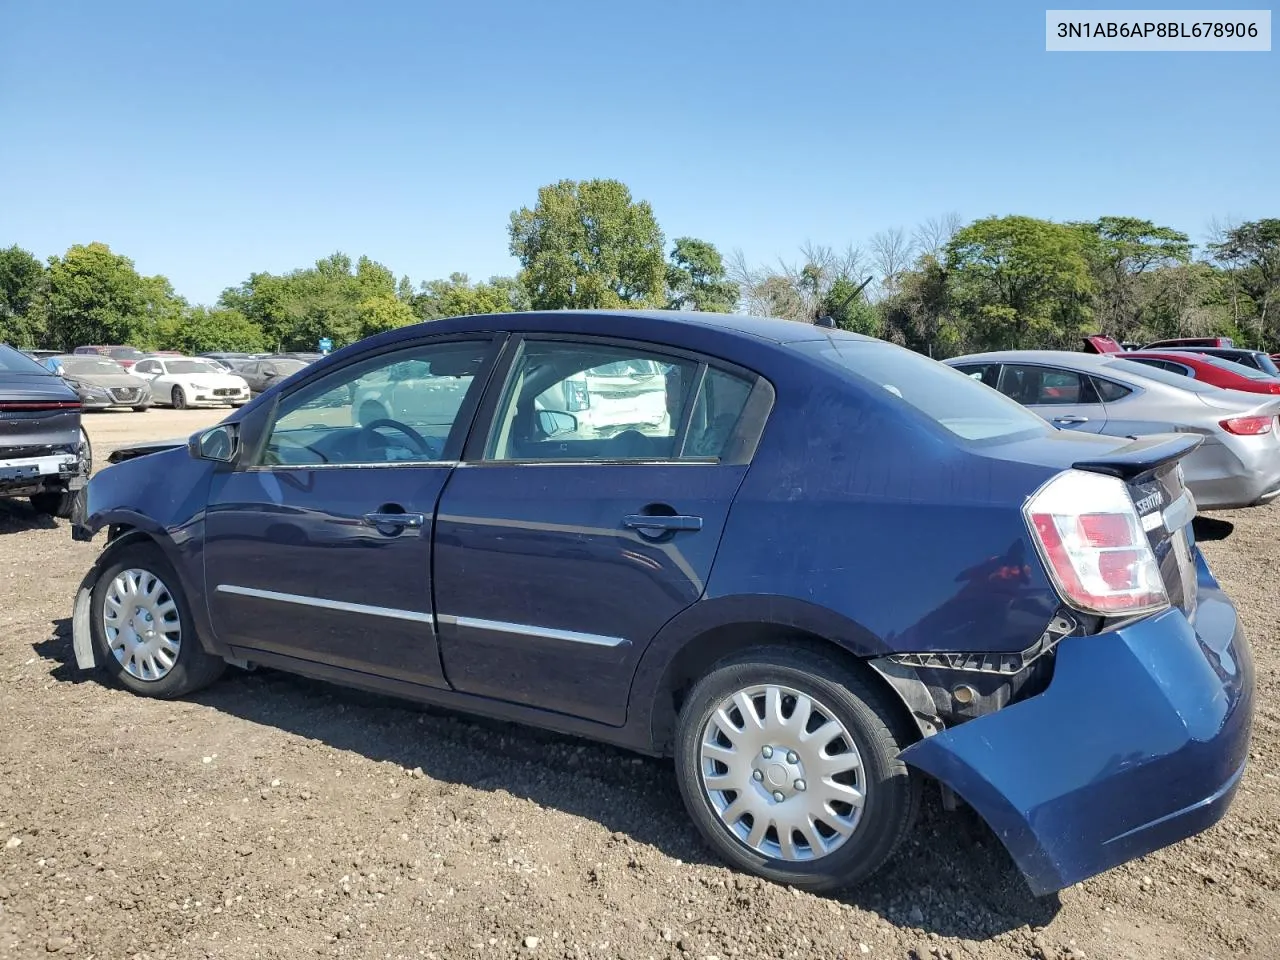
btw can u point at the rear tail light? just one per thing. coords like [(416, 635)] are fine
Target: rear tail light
[(1247, 426), (26, 406), (1091, 540)]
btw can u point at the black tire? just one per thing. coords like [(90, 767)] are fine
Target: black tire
[(192, 669), (874, 721), (53, 503), (178, 398), (142, 409)]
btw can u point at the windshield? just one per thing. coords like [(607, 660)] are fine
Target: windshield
[(13, 361), (190, 366), (962, 405), (90, 365), (126, 353)]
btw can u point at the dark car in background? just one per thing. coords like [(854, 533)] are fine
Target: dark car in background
[(835, 568), (44, 452), (266, 372), (126, 356), (1258, 359), (101, 382)]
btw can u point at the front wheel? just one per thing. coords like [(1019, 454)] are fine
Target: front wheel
[(142, 627), (787, 761), (179, 399)]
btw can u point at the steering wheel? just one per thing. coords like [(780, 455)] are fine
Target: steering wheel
[(418, 443)]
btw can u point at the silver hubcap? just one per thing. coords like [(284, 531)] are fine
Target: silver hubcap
[(782, 773), (141, 623)]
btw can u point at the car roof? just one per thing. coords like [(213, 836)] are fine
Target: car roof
[(729, 324), (1073, 358)]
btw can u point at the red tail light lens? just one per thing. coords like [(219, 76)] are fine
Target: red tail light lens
[(1247, 426), (1092, 543), (26, 406)]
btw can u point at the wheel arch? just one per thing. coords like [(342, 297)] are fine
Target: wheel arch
[(712, 630), (123, 531)]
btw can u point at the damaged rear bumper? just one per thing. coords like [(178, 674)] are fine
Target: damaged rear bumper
[(1139, 741)]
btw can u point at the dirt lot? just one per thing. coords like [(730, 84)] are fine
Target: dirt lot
[(277, 817)]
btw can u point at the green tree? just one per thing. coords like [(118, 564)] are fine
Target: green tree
[(697, 280), (296, 310), (589, 245), (850, 310), (1252, 252), (205, 329), (916, 314), (459, 297), (382, 312), (1121, 250), (95, 296), (22, 288), (1019, 282)]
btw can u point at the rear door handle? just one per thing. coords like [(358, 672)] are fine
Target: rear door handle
[(651, 524), (414, 520), (1071, 419)]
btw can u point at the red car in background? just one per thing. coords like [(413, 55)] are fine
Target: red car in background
[(1207, 369)]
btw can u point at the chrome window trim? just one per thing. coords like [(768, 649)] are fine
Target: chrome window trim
[(525, 630), (325, 604)]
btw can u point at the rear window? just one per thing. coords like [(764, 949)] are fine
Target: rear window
[(949, 397), (190, 366), (1267, 364), (125, 353), (1239, 369), (1130, 368), (91, 365), (14, 361)]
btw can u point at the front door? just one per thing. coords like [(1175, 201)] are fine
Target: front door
[(588, 518), (319, 546), (1065, 398)]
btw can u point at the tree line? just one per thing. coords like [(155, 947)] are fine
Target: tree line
[(943, 288)]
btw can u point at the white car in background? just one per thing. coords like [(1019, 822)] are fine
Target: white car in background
[(182, 382)]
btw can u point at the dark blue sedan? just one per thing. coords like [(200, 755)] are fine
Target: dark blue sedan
[(816, 569)]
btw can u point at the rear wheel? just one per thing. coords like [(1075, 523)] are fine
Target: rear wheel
[(179, 399), (142, 627), (787, 761)]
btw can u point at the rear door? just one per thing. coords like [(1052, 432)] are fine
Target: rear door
[(586, 517), (1066, 398)]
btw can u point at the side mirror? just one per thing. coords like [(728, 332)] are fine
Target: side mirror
[(554, 423), (218, 443)]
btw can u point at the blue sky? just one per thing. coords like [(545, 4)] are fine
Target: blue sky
[(208, 140)]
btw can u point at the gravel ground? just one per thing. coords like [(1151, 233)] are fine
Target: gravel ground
[(277, 817)]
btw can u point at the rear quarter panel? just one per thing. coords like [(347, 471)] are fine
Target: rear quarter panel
[(912, 540)]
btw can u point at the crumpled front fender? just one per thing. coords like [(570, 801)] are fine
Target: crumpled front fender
[(1139, 741)]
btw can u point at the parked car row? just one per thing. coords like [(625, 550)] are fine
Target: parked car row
[(816, 569)]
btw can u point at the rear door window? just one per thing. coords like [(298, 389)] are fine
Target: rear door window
[(1035, 386)]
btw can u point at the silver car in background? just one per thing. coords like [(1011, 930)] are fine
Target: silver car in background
[(1237, 465)]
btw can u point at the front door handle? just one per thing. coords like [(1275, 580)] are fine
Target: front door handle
[(414, 520), (657, 524), (1071, 419)]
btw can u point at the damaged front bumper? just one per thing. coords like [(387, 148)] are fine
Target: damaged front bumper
[(1139, 740)]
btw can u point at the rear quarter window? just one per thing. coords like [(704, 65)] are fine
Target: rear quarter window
[(948, 397)]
